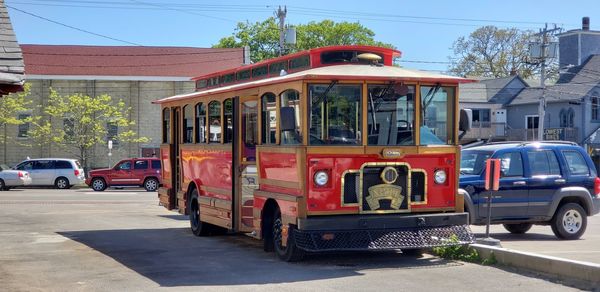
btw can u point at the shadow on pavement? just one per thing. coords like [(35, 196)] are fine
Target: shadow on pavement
[(175, 217), (174, 257)]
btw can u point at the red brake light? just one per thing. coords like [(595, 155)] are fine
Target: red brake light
[(597, 186), (76, 172), (20, 174)]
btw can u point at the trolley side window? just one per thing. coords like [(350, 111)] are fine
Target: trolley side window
[(214, 120), (166, 137), (200, 123), (188, 124), (290, 118), (228, 120), (268, 118)]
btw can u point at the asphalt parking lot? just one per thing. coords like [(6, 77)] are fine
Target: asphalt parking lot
[(121, 240), (540, 239)]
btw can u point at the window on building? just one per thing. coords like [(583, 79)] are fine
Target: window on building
[(228, 120), (166, 137), (268, 118), (595, 108), (188, 124), (290, 120), (214, 120), (69, 127), (567, 118), (24, 127), (481, 117), (112, 131), (200, 123)]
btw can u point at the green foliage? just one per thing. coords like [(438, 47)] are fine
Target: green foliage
[(79, 122), (462, 252), (263, 37), (492, 52), (11, 105)]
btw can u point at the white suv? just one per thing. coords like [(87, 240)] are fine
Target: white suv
[(62, 173)]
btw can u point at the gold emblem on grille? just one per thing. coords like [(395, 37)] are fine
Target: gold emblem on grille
[(389, 175), (385, 192)]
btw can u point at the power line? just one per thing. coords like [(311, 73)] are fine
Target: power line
[(72, 27)]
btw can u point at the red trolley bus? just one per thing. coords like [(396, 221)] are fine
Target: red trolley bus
[(332, 148)]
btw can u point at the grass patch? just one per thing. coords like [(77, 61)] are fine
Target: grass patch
[(462, 252)]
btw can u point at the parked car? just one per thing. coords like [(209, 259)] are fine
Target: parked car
[(61, 173), (144, 172), (12, 178), (546, 183)]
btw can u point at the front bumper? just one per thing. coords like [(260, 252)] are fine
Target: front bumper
[(382, 232)]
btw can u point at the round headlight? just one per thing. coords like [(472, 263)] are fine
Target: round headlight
[(439, 177), (321, 178)]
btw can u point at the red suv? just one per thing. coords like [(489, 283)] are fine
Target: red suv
[(144, 172)]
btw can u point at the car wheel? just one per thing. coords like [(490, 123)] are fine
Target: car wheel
[(98, 184), (3, 185), (290, 252), (61, 183), (198, 227), (517, 228), (151, 184), (569, 222)]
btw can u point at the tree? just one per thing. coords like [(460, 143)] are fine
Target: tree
[(79, 122), (263, 37), (10, 107), (493, 52)]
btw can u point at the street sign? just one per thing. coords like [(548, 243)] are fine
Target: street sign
[(492, 174)]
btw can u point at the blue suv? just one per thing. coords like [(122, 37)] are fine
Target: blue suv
[(546, 183)]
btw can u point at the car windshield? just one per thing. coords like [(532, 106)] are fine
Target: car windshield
[(473, 161)]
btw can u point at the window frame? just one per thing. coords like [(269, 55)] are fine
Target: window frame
[(26, 125), (143, 161), (265, 137), (200, 139), (548, 163), (209, 132)]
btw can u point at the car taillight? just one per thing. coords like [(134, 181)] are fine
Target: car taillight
[(597, 186), (76, 172), (20, 174)]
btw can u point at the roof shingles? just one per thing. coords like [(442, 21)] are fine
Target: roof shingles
[(128, 60)]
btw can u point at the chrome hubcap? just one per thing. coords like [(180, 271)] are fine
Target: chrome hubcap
[(572, 221), (61, 183), (98, 184), (151, 184)]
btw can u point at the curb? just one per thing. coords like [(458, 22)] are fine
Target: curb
[(564, 269)]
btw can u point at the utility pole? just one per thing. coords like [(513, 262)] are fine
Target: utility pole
[(544, 34), (280, 14)]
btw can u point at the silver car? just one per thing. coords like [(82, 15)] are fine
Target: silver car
[(61, 173), (13, 178)]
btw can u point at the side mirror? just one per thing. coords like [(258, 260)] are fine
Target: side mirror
[(465, 120), (287, 121)]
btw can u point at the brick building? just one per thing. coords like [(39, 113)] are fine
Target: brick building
[(137, 75)]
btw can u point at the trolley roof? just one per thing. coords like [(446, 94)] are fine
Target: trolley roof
[(333, 72)]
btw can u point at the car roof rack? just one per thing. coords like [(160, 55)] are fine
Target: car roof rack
[(524, 143)]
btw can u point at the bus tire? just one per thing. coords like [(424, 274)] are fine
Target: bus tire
[(290, 252), (198, 227)]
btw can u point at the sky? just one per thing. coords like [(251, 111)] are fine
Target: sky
[(423, 30)]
